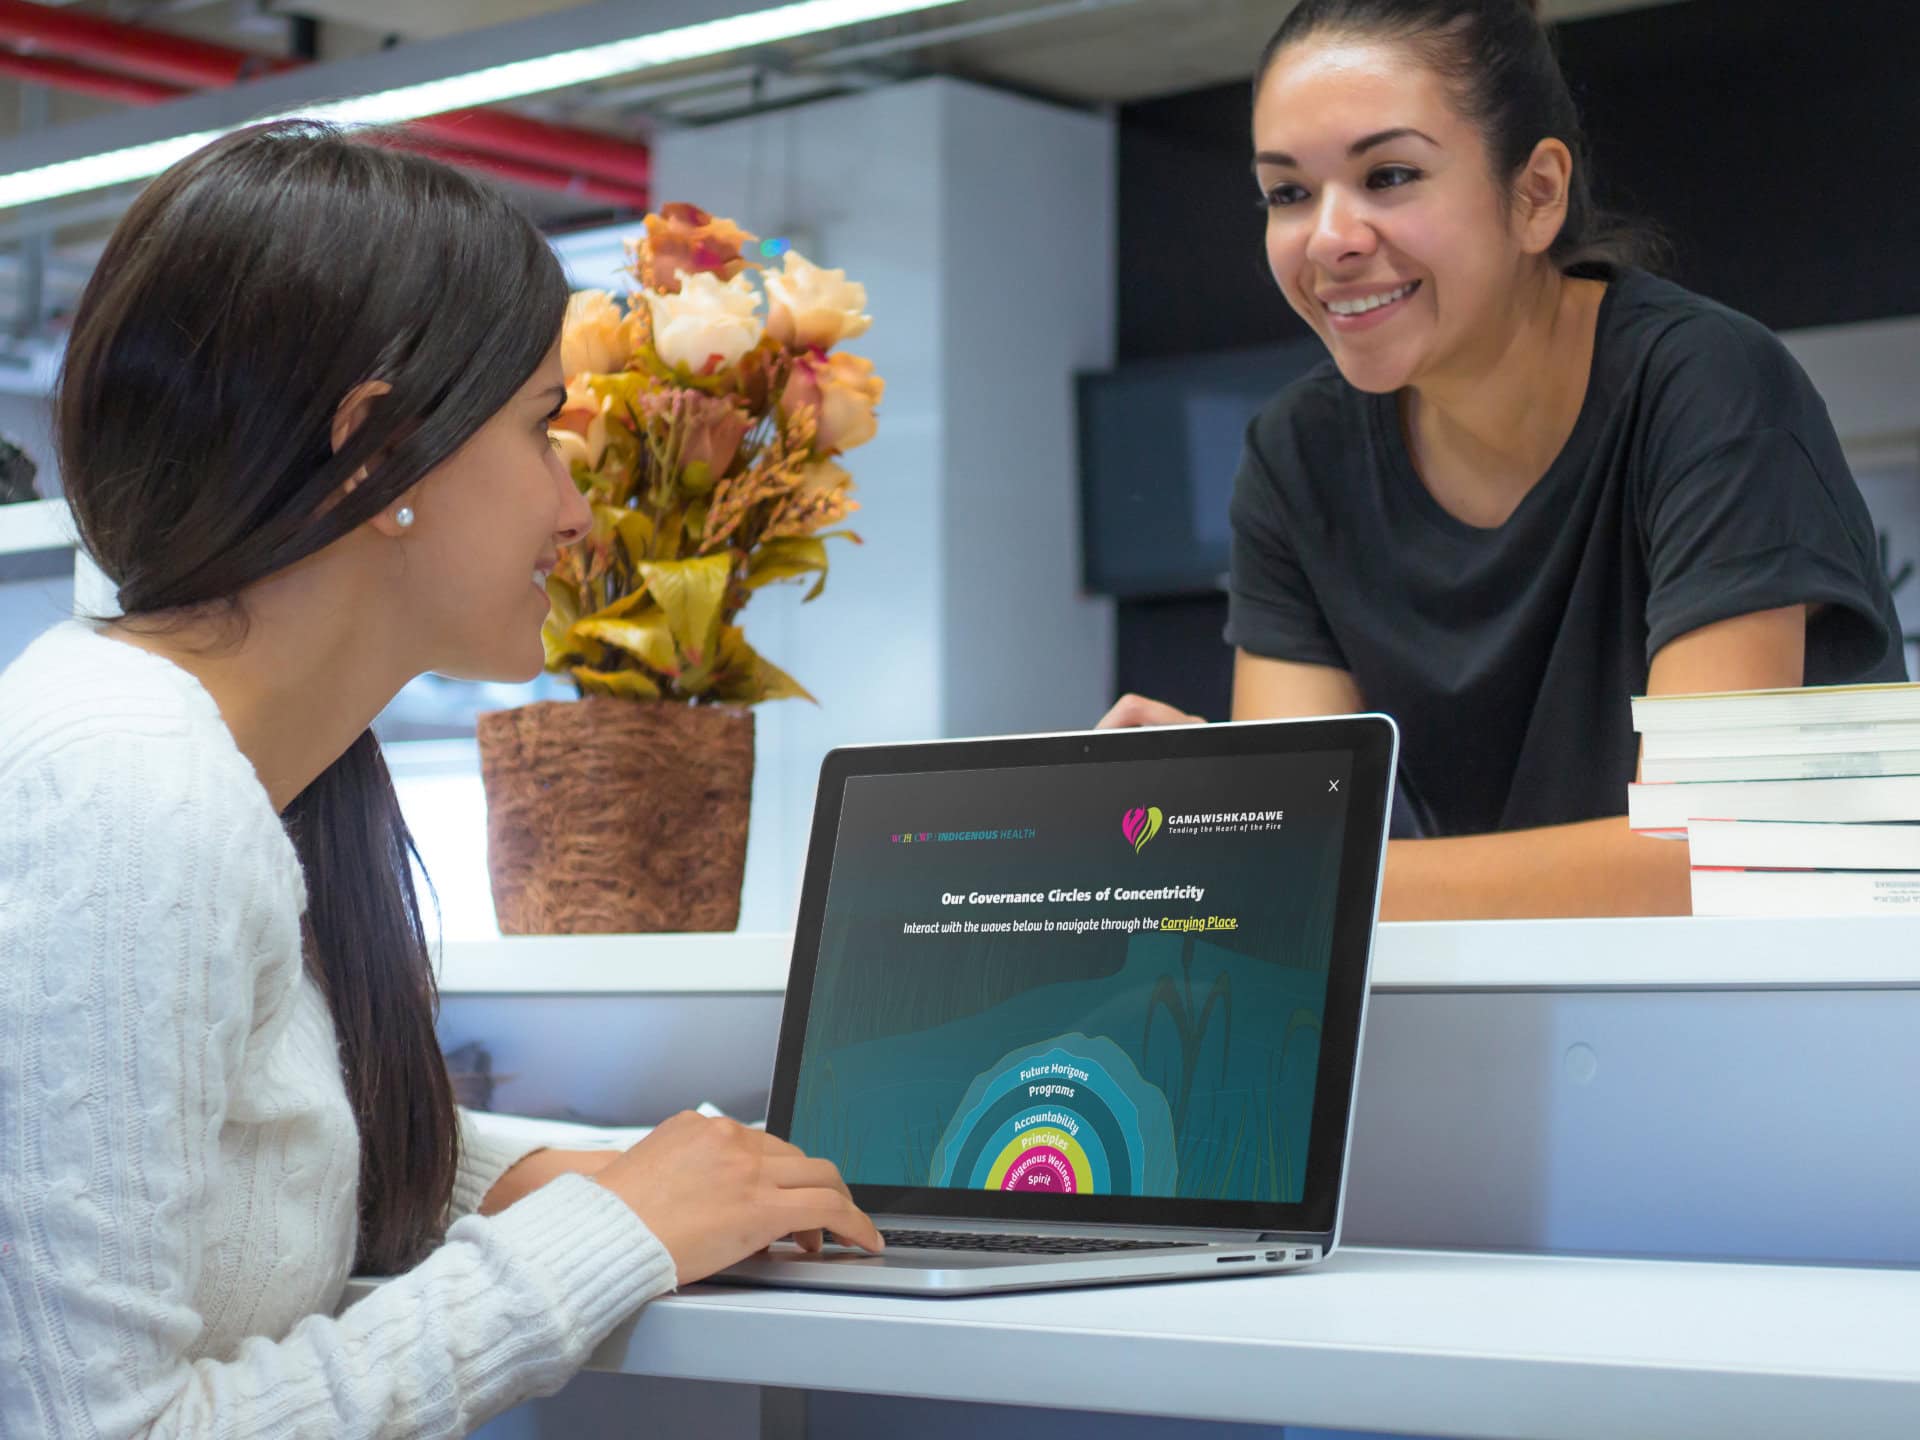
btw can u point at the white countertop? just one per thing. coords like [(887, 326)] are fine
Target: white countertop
[(1403, 1341), (1650, 953)]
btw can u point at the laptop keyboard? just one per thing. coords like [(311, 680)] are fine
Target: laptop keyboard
[(1023, 1244)]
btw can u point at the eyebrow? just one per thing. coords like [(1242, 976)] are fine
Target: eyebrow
[(1359, 147), (557, 394)]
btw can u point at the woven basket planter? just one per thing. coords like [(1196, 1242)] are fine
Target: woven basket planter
[(609, 816)]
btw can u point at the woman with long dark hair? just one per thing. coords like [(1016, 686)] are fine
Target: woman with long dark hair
[(1532, 481), (302, 425)]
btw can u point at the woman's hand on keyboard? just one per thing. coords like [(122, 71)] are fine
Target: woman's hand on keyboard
[(715, 1191)]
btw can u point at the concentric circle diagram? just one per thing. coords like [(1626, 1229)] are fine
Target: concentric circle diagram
[(1069, 1116)]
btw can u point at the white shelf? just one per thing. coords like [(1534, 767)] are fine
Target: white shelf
[(723, 964), (1403, 1341), (1633, 954), (1652, 953), (35, 527)]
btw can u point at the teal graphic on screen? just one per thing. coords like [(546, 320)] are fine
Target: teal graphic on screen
[(1077, 980)]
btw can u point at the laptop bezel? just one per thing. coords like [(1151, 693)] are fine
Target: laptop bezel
[(1372, 742)]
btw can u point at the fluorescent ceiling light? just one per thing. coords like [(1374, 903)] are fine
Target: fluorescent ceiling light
[(478, 87)]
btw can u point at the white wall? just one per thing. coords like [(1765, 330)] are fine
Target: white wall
[(1869, 375), (1028, 293), (978, 223)]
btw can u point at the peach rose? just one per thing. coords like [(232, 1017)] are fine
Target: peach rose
[(713, 430), (594, 337), (813, 309), (584, 417), (685, 240), (842, 391), (708, 325)]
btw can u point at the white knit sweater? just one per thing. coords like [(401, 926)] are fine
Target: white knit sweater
[(178, 1159)]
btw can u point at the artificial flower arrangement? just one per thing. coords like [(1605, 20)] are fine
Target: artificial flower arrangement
[(705, 432)]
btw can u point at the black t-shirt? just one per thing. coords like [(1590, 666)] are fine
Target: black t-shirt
[(1702, 481)]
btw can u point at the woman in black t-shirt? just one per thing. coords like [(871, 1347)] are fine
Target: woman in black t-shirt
[(1532, 481)]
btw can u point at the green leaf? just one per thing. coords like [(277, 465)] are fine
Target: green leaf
[(793, 558), (666, 538), (691, 593), (621, 608), (626, 684), (564, 602), (606, 521), (646, 639), (747, 677), (635, 529)]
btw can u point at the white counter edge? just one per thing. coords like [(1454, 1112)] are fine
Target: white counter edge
[(34, 526), (1632, 954), (1396, 1341)]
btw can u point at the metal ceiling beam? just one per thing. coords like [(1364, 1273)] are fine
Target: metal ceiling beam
[(402, 66), (518, 151), (135, 75), (54, 216), (949, 34), (30, 306), (151, 53), (57, 74), (622, 96)]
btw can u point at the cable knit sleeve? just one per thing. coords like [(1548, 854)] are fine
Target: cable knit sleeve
[(148, 935), (484, 1157)]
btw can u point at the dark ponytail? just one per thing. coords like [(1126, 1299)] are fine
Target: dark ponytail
[(244, 294), (1498, 62)]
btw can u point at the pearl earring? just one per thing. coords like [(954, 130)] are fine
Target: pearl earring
[(403, 517)]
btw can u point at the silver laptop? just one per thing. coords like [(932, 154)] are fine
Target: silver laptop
[(1084, 1009)]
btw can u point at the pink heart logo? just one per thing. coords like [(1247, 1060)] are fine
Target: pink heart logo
[(1140, 826)]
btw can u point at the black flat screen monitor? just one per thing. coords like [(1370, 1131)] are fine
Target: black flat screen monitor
[(1160, 442)]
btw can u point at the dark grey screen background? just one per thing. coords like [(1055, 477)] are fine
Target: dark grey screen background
[(1199, 1048)]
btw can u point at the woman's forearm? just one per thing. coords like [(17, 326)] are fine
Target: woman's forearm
[(1595, 867), (532, 1171)]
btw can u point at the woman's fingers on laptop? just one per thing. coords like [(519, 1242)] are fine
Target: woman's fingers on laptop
[(715, 1191), (1131, 711), (833, 1212)]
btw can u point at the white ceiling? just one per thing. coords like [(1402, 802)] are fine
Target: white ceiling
[(1092, 52)]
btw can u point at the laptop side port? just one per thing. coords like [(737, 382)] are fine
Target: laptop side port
[(1273, 1255), (1235, 1260)]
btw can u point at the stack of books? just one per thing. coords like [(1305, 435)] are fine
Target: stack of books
[(1792, 802)]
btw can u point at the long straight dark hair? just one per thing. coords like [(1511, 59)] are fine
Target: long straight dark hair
[(244, 294), (1498, 62)]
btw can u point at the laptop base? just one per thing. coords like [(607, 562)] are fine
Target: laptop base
[(902, 1270)]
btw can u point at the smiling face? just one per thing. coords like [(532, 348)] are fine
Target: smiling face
[(1386, 229), (489, 522)]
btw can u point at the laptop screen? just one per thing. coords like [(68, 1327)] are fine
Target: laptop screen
[(1083, 980)]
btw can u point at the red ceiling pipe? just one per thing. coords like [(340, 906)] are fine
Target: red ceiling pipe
[(64, 75), (497, 132), (151, 54), (85, 80), (160, 55)]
